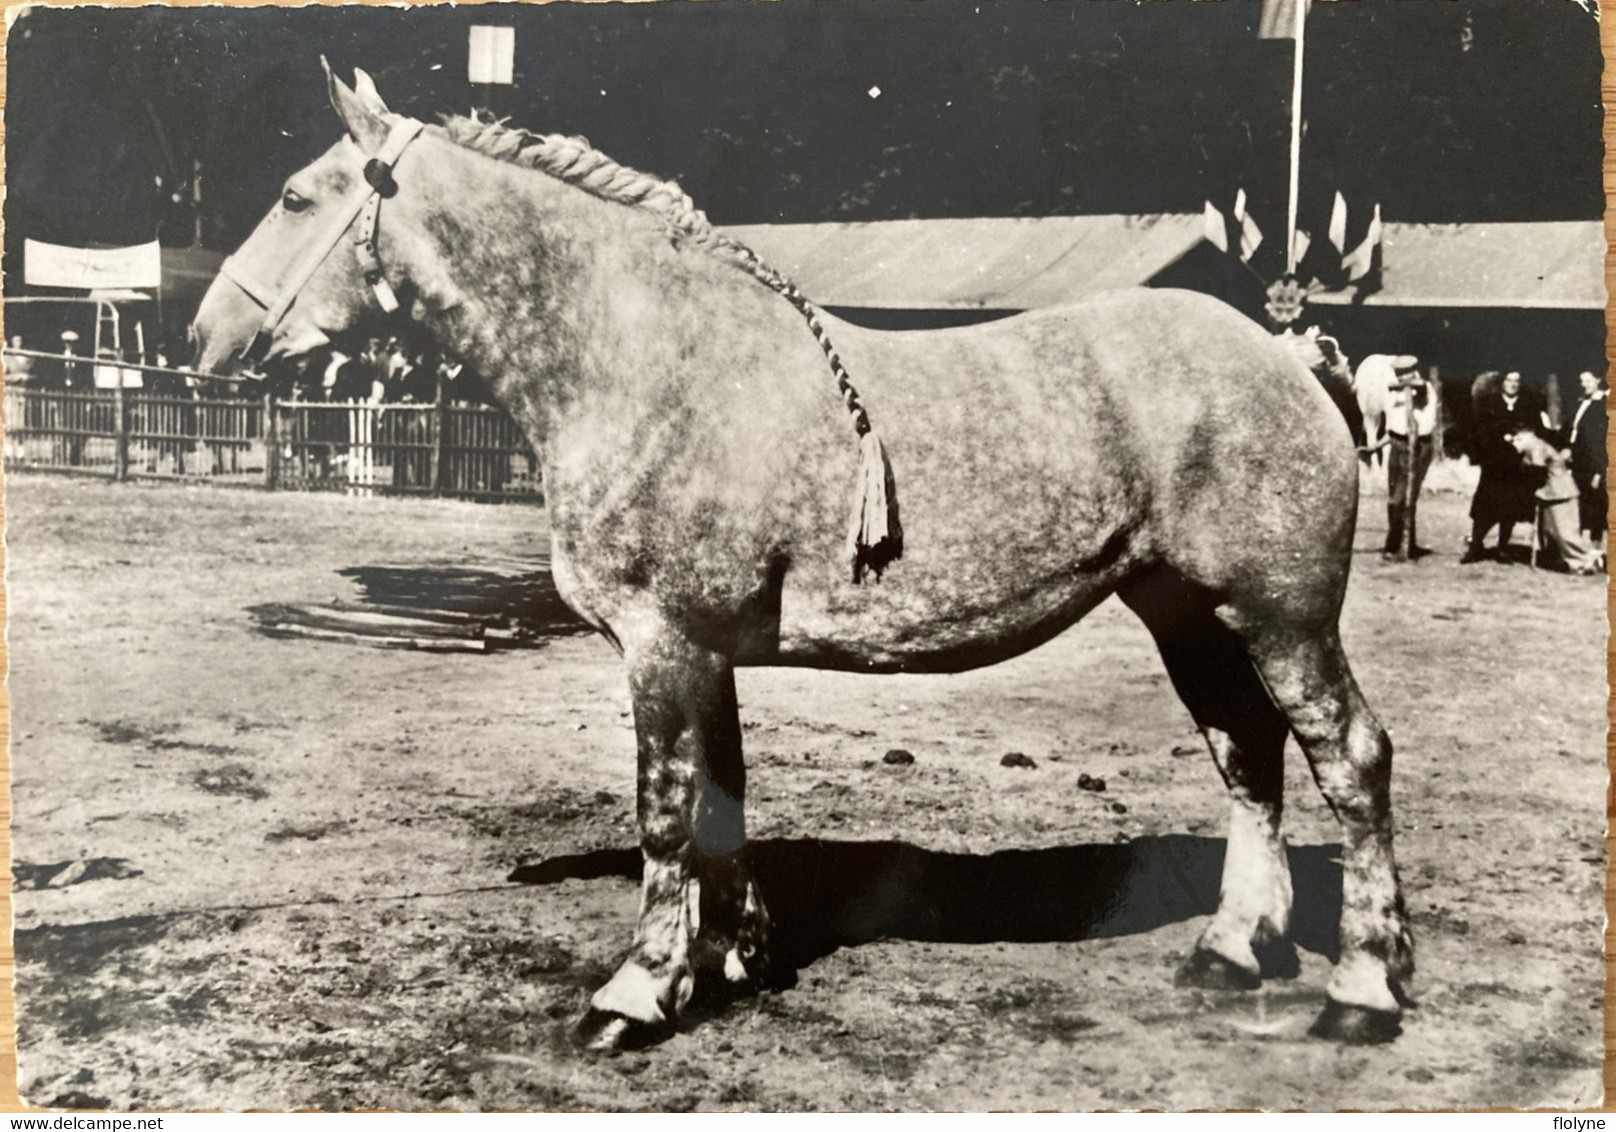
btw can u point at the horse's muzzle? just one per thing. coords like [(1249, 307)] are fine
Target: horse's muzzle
[(257, 350), (226, 328)]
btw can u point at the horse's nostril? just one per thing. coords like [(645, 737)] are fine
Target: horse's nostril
[(257, 349)]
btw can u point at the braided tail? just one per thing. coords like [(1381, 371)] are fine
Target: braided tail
[(874, 535)]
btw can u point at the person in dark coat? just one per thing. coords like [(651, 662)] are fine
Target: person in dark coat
[(1587, 442), (1504, 494)]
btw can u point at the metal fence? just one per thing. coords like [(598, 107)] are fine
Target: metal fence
[(465, 451), (360, 447)]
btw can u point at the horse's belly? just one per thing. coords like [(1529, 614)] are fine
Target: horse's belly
[(915, 624)]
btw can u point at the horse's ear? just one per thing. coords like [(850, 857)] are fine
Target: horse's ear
[(366, 127), (366, 90)]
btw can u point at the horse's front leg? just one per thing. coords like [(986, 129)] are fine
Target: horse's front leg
[(700, 916)]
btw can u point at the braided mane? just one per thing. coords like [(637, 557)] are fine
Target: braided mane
[(875, 537), (576, 162)]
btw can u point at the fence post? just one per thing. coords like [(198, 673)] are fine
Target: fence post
[(272, 443), (440, 438), (120, 460)]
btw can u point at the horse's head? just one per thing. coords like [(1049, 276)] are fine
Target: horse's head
[(310, 270)]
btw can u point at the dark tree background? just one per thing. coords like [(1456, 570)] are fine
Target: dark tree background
[(1443, 111)]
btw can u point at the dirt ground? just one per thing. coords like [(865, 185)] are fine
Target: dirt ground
[(259, 872)]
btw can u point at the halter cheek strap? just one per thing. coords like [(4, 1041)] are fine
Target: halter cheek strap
[(370, 264), (366, 208)]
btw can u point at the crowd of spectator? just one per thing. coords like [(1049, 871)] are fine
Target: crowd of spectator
[(386, 371), (177, 411)]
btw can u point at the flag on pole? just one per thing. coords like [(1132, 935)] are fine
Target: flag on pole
[(1251, 236), (1234, 230), (1338, 224), (1216, 227), (1300, 242), (1363, 262), (1280, 18), (1351, 252)]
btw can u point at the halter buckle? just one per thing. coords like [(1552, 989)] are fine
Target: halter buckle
[(379, 176)]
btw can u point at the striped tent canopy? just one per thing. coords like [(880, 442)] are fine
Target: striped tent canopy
[(1554, 265), (981, 264), (1022, 264)]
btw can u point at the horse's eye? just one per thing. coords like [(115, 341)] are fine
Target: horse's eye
[(293, 201)]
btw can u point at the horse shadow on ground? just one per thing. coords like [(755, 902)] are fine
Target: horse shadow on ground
[(826, 895), (459, 608), (522, 596)]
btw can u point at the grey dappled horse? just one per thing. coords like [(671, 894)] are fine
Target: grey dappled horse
[(1149, 444)]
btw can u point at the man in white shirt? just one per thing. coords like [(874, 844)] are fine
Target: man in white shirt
[(1411, 409)]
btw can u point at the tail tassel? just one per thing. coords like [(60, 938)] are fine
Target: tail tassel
[(874, 535)]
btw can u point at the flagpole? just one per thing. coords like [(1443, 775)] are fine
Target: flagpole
[(1296, 141)]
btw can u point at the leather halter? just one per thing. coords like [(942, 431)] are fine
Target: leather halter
[(277, 298)]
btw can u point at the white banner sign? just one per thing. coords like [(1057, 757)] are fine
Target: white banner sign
[(493, 54), (84, 269)]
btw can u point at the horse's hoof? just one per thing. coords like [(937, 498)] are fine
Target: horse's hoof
[(604, 1031), (1402, 965), (1277, 958), (1207, 970), (1356, 1025)]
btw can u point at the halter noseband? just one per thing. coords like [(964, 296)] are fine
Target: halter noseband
[(277, 299)]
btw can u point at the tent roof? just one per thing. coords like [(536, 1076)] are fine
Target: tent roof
[(1021, 264), (1558, 265), (992, 263)]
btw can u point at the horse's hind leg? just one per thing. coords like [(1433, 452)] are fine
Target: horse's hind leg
[(698, 908), (1351, 757), (1215, 677)]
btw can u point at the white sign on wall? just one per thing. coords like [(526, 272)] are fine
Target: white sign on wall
[(493, 55), (84, 269)]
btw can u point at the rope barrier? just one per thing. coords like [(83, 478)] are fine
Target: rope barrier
[(89, 364)]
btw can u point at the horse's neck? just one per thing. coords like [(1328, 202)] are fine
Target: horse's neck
[(545, 289), (487, 253)]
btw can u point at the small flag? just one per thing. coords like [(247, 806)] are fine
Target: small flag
[(1251, 236), (1338, 224), (1231, 231), (1364, 261), (1280, 18), (1216, 227), (1300, 242)]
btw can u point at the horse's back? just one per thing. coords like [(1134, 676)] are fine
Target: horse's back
[(1253, 468), (1045, 459), (1146, 352), (1169, 399)]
